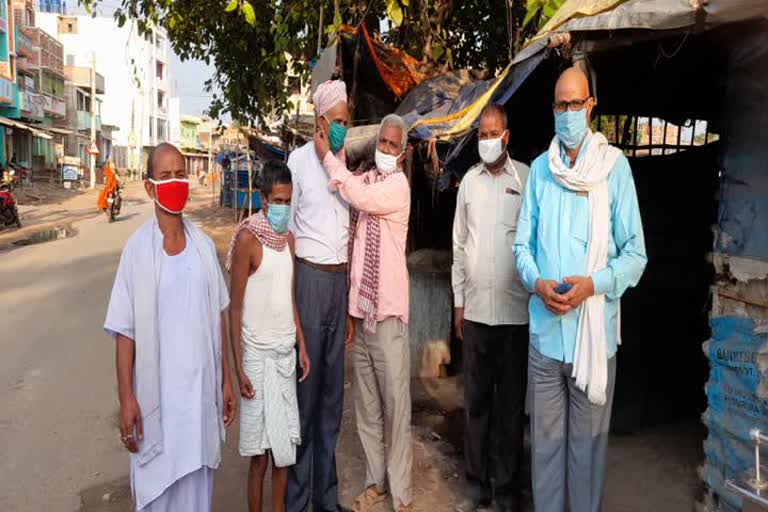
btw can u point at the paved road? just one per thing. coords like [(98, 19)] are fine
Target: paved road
[(59, 449)]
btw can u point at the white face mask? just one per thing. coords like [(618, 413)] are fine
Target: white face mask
[(386, 163), (490, 150)]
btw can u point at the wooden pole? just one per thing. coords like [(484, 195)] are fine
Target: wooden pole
[(410, 242), (355, 66), (320, 30), (93, 119), (248, 162)]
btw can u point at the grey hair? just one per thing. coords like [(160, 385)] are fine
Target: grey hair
[(394, 121)]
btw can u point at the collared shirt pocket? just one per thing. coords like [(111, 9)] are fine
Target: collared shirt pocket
[(511, 201)]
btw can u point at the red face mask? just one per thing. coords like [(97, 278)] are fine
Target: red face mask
[(171, 195)]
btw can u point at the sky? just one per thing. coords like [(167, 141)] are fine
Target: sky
[(188, 83), (187, 78)]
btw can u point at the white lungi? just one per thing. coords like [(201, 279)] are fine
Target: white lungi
[(192, 493), (270, 420)]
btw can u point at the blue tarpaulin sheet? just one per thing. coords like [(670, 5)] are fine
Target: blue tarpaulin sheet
[(452, 92), (273, 150), (737, 397)]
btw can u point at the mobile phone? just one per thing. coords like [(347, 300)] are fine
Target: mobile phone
[(563, 288)]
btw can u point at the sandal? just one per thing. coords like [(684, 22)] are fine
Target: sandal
[(368, 499), (404, 508)]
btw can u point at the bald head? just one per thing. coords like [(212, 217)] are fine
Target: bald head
[(572, 107), (572, 85), (165, 161)]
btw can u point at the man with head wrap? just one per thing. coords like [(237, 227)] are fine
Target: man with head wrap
[(320, 224), (380, 200)]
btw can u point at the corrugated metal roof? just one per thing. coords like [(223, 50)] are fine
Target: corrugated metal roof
[(583, 15), (21, 126)]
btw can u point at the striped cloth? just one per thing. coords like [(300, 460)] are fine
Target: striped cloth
[(257, 225), (329, 94), (368, 298), (270, 420)]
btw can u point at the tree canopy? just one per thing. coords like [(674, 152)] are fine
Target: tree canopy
[(250, 43)]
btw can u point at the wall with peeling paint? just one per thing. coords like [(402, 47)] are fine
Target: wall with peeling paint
[(737, 390)]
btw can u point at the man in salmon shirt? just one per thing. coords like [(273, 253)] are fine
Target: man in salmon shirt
[(380, 204)]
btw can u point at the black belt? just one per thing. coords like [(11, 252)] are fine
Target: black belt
[(338, 268)]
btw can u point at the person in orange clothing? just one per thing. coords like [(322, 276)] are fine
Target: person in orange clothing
[(110, 184)]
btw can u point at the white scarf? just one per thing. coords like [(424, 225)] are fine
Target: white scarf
[(590, 174), (147, 365)]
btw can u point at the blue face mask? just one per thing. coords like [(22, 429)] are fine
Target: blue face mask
[(571, 127), (277, 216), (336, 135)]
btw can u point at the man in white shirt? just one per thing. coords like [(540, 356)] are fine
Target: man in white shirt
[(491, 317), (320, 225)]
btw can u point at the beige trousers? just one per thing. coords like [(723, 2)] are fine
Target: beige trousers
[(381, 369)]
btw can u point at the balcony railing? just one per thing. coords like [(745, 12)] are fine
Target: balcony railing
[(52, 63), (81, 77), (26, 47), (56, 107), (32, 104), (22, 64), (84, 121), (6, 91)]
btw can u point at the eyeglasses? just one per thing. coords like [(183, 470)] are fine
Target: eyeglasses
[(573, 105)]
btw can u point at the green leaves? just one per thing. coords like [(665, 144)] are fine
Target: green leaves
[(246, 9), (249, 13), (437, 52), (547, 8), (394, 12)]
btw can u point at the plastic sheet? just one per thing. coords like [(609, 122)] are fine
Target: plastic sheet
[(737, 392)]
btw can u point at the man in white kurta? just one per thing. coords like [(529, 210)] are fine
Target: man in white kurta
[(166, 305)]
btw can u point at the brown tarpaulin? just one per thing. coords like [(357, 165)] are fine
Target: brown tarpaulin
[(399, 71)]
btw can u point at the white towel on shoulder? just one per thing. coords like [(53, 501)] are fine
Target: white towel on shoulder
[(590, 174)]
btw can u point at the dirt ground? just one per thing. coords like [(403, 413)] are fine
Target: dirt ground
[(650, 469), (437, 473)]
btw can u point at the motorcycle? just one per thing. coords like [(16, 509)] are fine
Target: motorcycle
[(114, 202), (20, 172), (10, 176), (9, 212)]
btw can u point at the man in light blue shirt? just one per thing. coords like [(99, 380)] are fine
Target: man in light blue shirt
[(565, 238)]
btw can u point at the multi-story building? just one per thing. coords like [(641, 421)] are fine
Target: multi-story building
[(187, 140), (136, 69), (20, 103), (49, 62), (188, 133), (27, 64), (80, 105), (8, 92), (40, 86), (56, 6)]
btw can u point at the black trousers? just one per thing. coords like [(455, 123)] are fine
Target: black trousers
[(321, 298), (495, 375)]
